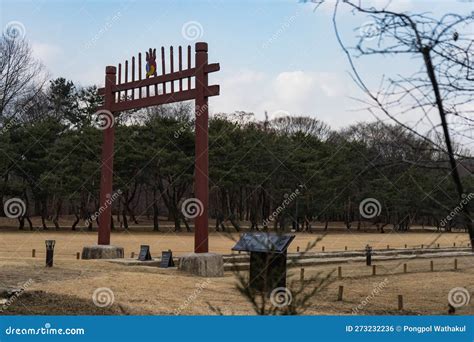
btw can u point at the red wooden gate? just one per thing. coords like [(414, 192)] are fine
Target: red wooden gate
[(134, 89)]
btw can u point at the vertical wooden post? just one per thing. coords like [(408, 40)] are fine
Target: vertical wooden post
[(454, 244), (340, 293), (107, 162), (400, 302), (322, 249), (455, 264), (345, 248), (374, 270), (201, 172), (132, 255), (33, 253), (302, 274), (405, 268), (405, 245), (78, 255), (298, 248), (339, 272), (431, 266), (388, 246)]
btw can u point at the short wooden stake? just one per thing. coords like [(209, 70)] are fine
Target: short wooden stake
[(33, 253), (132, 255), (78, 255), (406, 246), (322, 249), (302, 274), (438, 245), (340, 293), (374, 270), (298, 248), (455, 264), (421, 245), (388, 246), (339, 272), (431, 265), (400, 302), (345, 248), (454, 244), (405, 270)]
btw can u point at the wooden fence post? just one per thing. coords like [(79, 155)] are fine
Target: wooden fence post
[(431, 265), (302, 274), (400, 302), (455, 264), (405, 268), (132, 255), (339, 272), (78, 255), (340, 293), (33, 253), (374, 270)]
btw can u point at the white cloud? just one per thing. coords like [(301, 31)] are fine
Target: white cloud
[(323, 95), (48, 54)]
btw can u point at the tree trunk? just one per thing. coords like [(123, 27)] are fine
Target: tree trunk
[(452, 161)]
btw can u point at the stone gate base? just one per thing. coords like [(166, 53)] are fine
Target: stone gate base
[(202, 264), (102, 252)]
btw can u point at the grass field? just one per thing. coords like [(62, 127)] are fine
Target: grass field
[(68, 287), (20, 243)]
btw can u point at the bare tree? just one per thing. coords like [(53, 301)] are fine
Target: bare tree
[(438, 93), (21, 77)]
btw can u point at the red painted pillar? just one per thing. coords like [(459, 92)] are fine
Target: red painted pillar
[(107, 162), (201, 170)]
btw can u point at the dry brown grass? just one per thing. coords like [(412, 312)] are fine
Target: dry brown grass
[(20, 243), (67, 288)]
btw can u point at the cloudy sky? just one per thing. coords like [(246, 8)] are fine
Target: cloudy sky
[(279, 56)]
